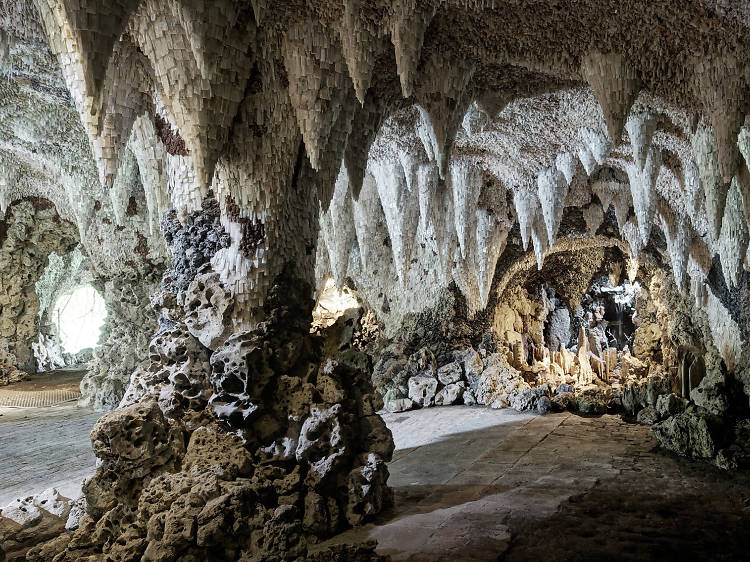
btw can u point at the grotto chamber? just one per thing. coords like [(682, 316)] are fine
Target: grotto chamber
[(367, 280)]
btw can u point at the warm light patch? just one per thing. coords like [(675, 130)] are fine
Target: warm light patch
[(79, 317), (332, 304)]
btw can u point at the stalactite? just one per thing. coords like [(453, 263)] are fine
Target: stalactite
[(401, 208), (553, 189), (526, 203), (566, 163), (733, 240), (539, 238), (367, 212), (643, 190), (360, 45), (641, 128), (631, 234), (714, 188), (594, 217), (616, 86), (466, 184), (338, 224), (409, 23), (491, 237)]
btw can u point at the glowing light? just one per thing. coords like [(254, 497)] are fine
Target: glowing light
[(79, 317)]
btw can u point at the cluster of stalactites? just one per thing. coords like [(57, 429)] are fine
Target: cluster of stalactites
[(417, 208)]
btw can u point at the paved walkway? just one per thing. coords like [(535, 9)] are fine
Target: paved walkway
[(481, 484), (45, 447)]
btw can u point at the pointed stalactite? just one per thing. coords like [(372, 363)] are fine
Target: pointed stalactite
[(733, 240), (445, 230), (360, 44), (339, 230), (641, 128), (691, 183), (443, 97), (401, 208), (367, 212), (593, 216), (743, 173), (622, 200), (587, 159), (632, 235), (643, 191), (466, 185), (539, 238), (427, 180), (567, 163), (714, 188), (318, 84), (597, 143), (526, 203), (491, 237), (183, 44), (409, 22), (553, 189), (678, 234), (721, 86), (365, 126), (615, 85)]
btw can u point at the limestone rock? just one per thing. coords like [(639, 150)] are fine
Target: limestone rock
[(690, 433), (450, 394), (422, 389), (450, 373), (394, 401)]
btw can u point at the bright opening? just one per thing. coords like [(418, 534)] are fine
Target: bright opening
[(79, 317)]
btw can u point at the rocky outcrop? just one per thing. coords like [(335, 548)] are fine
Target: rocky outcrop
[(123, 344), (263, 449), (30, 232)]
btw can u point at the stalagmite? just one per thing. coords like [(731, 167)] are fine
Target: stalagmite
[(466, 184), (715, 188), (410, 21), (641, 128), (553, 189), (733, 240), (616, 86), (643, 190)]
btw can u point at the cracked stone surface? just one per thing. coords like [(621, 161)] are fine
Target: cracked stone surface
[(479, 484)]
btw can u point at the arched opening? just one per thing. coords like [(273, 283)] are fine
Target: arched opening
[(79, 317)]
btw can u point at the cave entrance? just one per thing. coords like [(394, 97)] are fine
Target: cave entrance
[(332, 303), (79, 316)]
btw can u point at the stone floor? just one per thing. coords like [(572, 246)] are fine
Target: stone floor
[(44, 447), (481, 484)]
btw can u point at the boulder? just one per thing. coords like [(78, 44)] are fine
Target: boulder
[(450, 394), (647, 416), (534, 399), (471, 362), (712, 393), (422, 389), (394, 401), (691, 433), (450, 373), (669, 405)]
